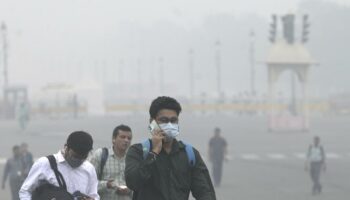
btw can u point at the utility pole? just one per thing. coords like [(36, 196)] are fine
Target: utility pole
[(218, 67), (252, 62), (120, 75), (161, 75), (4, 49), (293, 106), (139, 79), (191, 66)]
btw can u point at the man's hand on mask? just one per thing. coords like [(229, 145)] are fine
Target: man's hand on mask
[(157, 138)]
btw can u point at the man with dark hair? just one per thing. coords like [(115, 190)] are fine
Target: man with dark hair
[(109, 164), (217, 153), (166, 168), (14, 170), (79, 174)]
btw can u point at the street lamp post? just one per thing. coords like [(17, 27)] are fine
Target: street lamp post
[(218, 67), (252, 62), (4, 48), (191, 66), (161, 75)]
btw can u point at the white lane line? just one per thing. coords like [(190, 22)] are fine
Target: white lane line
[(276, 156), (333, 156), (250, 156), (229, 157), (300, 155), (3, 161)]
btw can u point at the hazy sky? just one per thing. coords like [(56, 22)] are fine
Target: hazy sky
[(40, 31), (139, 10)]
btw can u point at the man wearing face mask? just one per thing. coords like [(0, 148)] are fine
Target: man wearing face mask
[(79, 174), (164, 172)]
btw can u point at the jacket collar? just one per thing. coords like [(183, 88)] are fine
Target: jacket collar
[(177, 146)]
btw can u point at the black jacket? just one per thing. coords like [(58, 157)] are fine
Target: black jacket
[(168, 176)]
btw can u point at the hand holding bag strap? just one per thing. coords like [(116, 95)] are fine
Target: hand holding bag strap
[(58, 174)]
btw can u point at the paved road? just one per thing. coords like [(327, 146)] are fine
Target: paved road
[(263, 166)]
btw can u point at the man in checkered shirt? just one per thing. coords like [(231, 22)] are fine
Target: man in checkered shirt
[(111, 185)]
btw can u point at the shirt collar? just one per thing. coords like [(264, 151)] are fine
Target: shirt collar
[(60, 158), (111, 153)]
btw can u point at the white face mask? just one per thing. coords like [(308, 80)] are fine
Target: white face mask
[(171, 130)]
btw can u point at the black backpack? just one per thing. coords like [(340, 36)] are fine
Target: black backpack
[(47, 191)]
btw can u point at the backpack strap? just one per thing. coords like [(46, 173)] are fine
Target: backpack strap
[(146, 148), (104, 157), (190, 154), (58, 174)]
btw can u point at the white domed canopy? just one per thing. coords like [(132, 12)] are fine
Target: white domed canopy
[(283, 53)]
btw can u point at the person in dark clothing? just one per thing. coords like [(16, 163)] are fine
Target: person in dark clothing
[(164, 172), (217, 153), (27, 158), (14, 170)]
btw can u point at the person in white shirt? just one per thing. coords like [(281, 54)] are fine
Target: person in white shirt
[(316, 160), (78, 173)]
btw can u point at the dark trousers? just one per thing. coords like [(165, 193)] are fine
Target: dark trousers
[(15, 185), (217, 172), (315, 172)]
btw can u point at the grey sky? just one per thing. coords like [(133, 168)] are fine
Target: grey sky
[(46, 34)]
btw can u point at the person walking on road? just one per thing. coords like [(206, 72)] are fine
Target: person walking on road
[(217, 154), (14, 169), (79, 175), (27, 158), (316, 161), (163, 168)]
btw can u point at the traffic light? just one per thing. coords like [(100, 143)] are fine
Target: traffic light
[(273, 29), (305, 31), (288, 28)]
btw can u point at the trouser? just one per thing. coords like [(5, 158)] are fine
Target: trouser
[(15, 185), (23, 123), (315, 172), (217, 172)]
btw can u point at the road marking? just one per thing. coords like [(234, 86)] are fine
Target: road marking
[(250, 156), (333, 156), (276, 156), (256, 157), (229, 157), (300, 155), (3, 161)]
